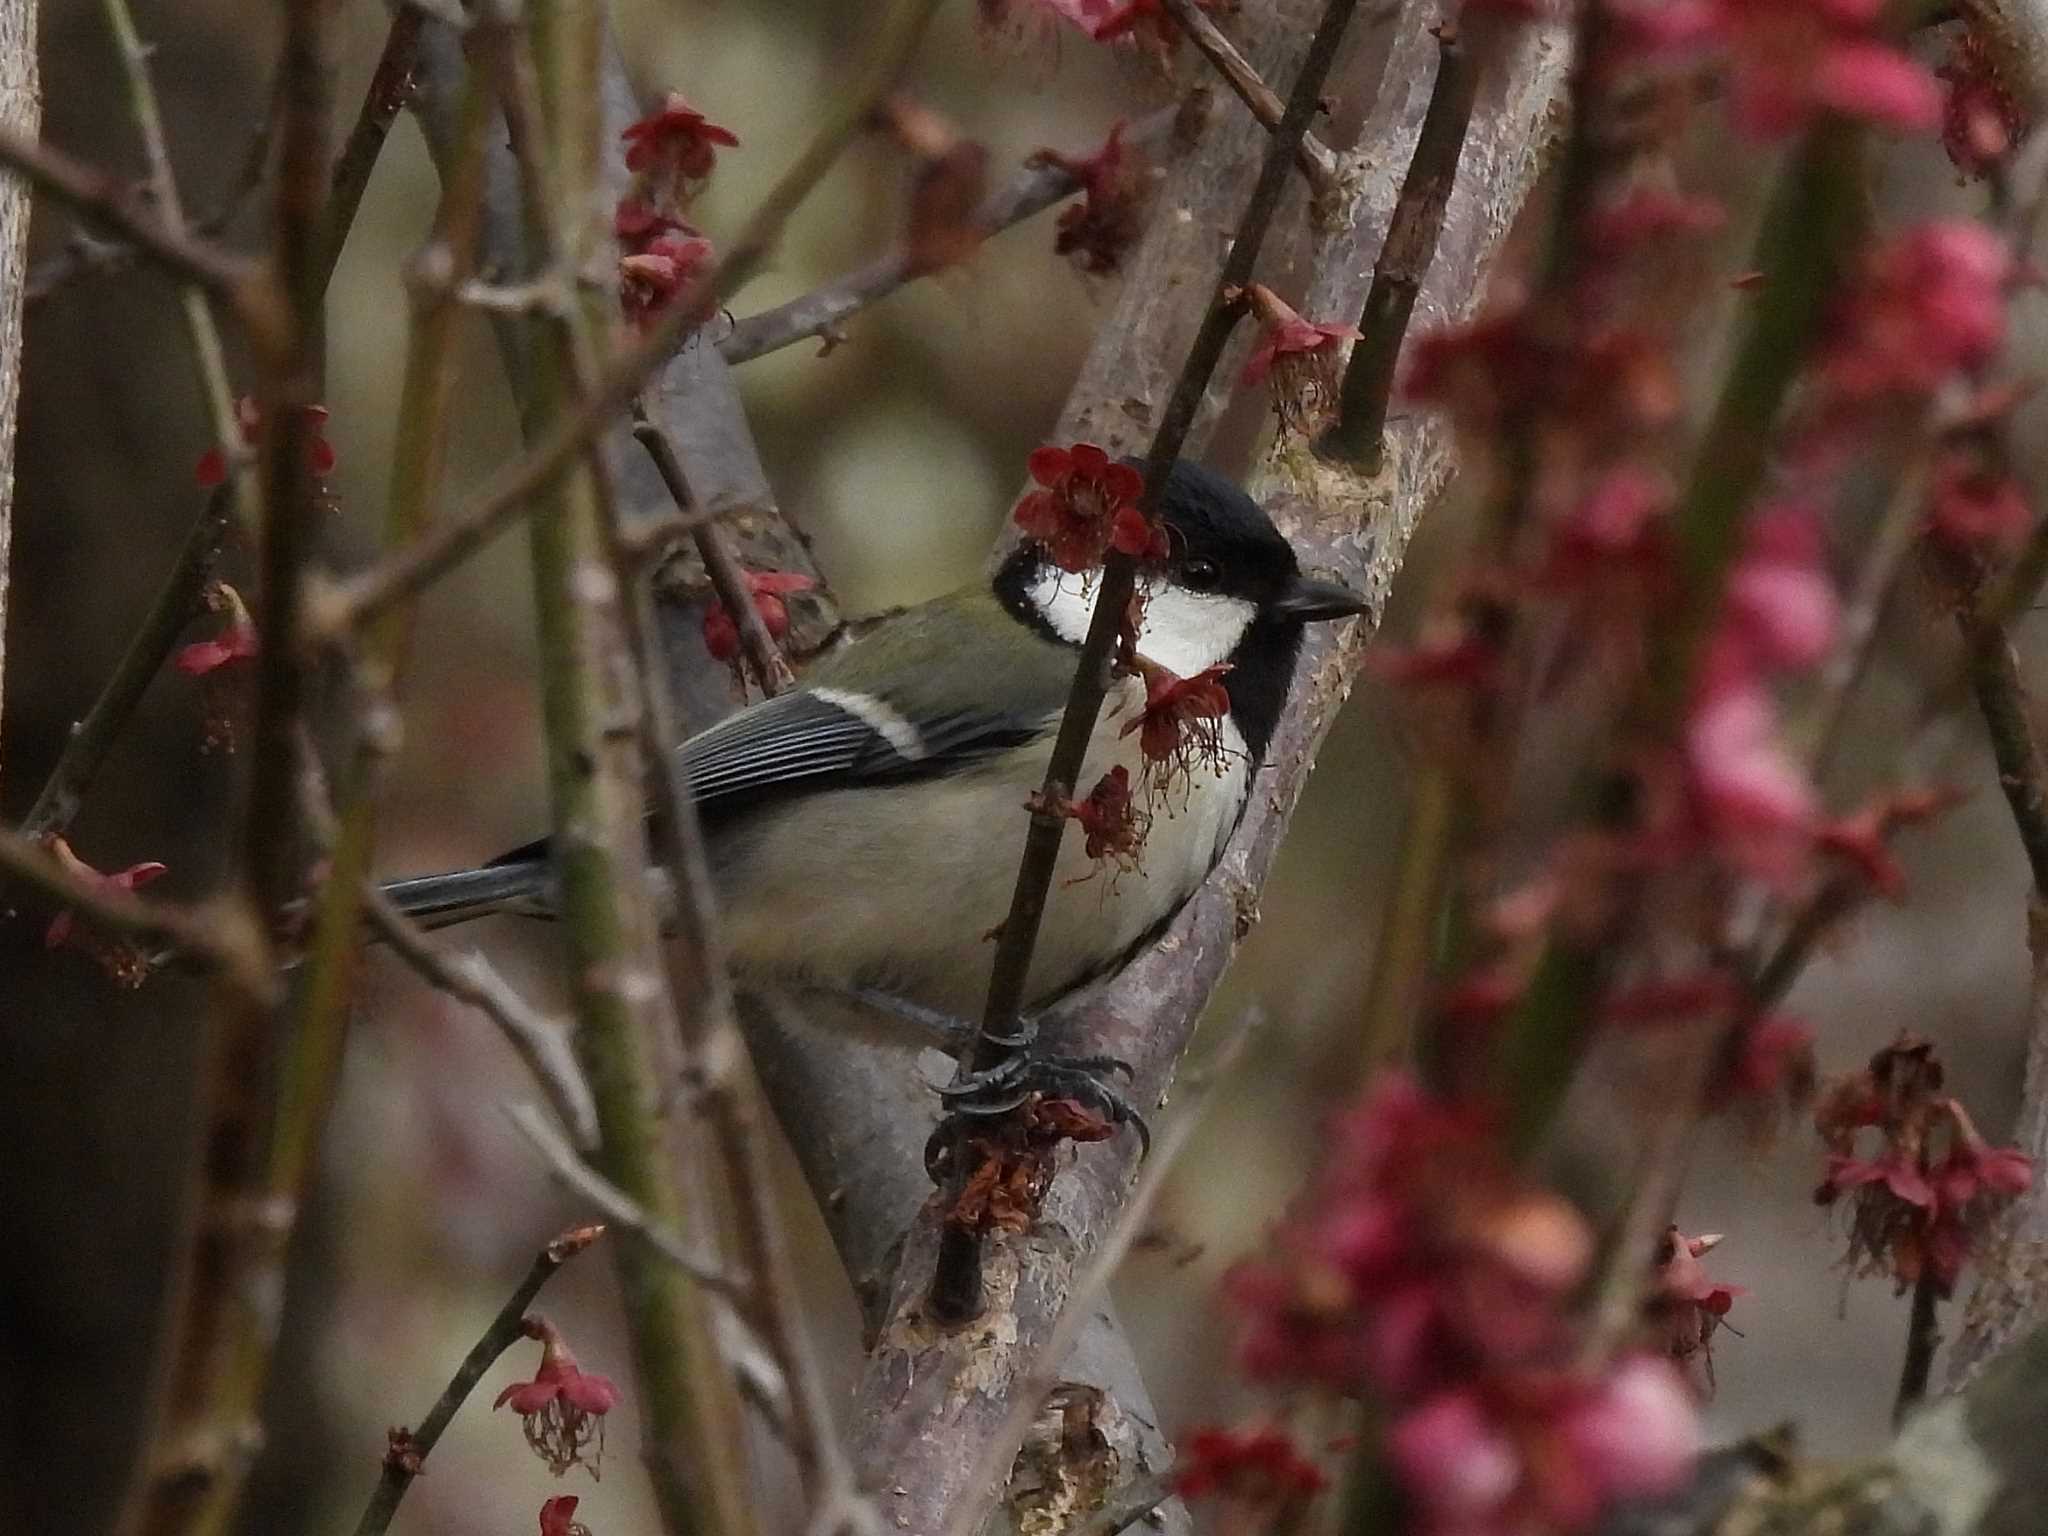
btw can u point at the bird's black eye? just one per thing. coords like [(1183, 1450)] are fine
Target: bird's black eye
[(1199, 575)]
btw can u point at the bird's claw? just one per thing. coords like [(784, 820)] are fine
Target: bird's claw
[(1018, 1079)]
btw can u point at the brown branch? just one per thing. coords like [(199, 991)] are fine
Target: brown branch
[(772, 674), (178, 602), (1404, 259), (1145, 1016), (409, 1449), (262, 1106), (510, 493), (21, 112), (956, 1283), (390, 84), (622, 1211), (1318, 165), (115, 204), (540, 1043), (1035, 187)]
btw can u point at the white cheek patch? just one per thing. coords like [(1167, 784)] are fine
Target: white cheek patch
[(1185, 632)]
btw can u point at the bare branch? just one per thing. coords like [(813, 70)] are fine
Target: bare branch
[(1317, 164), (469, 978), (409, 1449), (114, 204), (1352, 526), (1033, 189), (390, 84)]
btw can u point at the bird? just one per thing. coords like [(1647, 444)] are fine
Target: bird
[(864, 829)]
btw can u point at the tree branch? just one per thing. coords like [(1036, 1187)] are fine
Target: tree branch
[(21, 113), (1318, 165), (1355, 526), (409, 1450), (956, 1281), (1033, 189)]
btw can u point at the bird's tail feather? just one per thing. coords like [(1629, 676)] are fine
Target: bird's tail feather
[(437, 901)]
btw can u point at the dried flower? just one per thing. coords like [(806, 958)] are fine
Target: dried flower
[(1981, 118), (1181, 724), (1913, 1213), (1301, 355), (563, 1408), (1115, 187), (1086, 502), (1112, 822)]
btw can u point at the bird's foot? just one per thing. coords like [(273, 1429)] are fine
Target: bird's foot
[(1052, 1098)]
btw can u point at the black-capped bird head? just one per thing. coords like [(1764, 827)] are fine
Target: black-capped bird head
[(1229, 591)]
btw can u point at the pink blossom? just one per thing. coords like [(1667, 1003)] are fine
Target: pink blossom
[(1636, 1434), (1780, 601), (1455, 1461), (1756, 801), (1930, 302)]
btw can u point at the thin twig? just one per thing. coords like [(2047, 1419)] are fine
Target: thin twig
[(956, 1283), (390, 85), (1412, 231), (1037, 186), (772, 674), (1923, 1338), (113, 203), (621, 1210), (1318, 165), (409, 1450), (207, 351), (90, 739), (539, 1042), (510, 493)]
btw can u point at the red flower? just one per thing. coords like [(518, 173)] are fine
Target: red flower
[(1861, 837), (1115, 189), (562, 1407), (1087, 504), (1775, 1053), (1253, 1466), (558, 1517), (212, 468), (637, 223), (677, 143), (1486, 372), (125, 963), (1930, 303), (1181, 723), (767, 589), (1791, 60), (1976, 504), (655, 277), (1305, 354), (235, 643), (1113, 823)]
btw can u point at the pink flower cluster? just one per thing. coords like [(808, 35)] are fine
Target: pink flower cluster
[(1429, 1274), (1789, 61), (671, 152), (1931, 1183)]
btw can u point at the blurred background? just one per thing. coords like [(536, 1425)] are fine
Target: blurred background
[(896, 455)]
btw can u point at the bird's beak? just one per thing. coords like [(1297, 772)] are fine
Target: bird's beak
[(1309, 598)]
